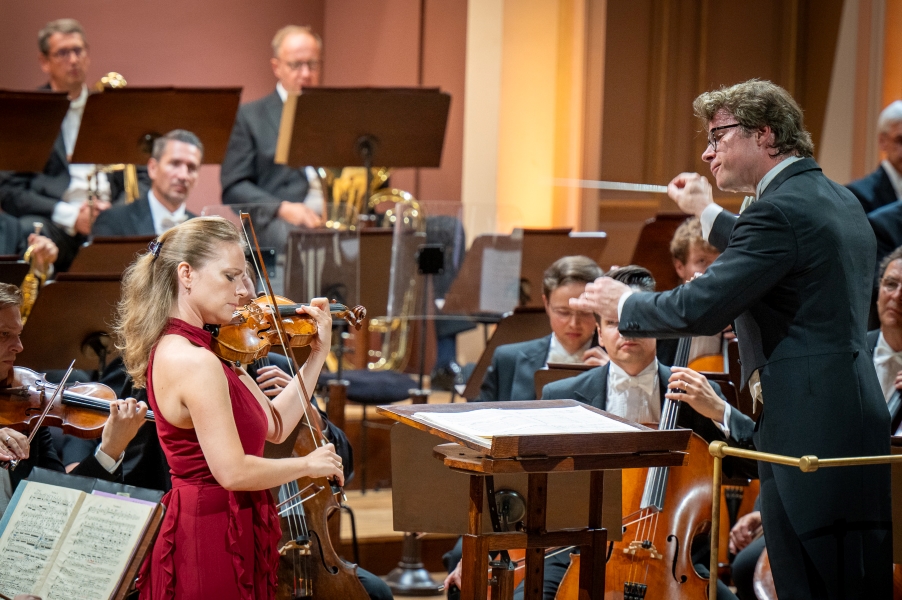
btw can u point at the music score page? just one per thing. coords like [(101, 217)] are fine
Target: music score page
[(491, 422)]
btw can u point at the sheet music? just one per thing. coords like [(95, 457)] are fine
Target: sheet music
[(491, 422), (97, 549), (32, 535), (499, 286)]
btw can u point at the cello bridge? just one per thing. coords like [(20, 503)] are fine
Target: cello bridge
[(635, 547), (302, 549)]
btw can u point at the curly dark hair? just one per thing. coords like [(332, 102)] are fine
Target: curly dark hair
[(755, 104)]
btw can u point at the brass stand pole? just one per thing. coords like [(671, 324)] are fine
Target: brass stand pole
[(715, 528)]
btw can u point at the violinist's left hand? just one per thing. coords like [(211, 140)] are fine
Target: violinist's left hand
[(126, 418), (319, 310), (272, 380), (699, 393), (13, 445)]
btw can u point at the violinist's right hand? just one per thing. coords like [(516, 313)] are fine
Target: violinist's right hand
[(13, 445), (691, 192), (323, 462)]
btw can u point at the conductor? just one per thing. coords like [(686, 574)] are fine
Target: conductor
[(795, 275)]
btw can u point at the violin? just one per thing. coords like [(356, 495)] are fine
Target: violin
[(251, 333), (80, 410)]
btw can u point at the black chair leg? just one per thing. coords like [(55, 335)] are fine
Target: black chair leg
[(363, 436)]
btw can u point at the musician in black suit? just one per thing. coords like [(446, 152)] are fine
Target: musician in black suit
[(285, 196), (510, 376), (884, 185), (173, 169), (57, 197), (795, 275), (126, 416), (885, 343)]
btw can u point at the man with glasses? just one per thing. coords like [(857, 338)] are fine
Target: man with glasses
[(572, 338), (58, 196), (287, 197), (886, 342), (795, 276)]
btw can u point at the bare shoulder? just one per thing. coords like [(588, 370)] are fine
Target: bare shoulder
[(179, 363)]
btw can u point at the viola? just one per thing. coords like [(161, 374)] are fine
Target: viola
[(81, 409), (252, 331)]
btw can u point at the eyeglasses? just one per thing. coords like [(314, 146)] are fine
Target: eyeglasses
[(565, 314), (890, 285), (63, 53), (713, 139), (312, 65)]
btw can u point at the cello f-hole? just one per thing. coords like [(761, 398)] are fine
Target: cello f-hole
[(676, 552)]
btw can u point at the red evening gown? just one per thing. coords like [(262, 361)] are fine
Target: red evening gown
[(213, 543)]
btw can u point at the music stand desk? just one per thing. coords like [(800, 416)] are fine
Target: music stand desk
[(537, 456), (109, 255)]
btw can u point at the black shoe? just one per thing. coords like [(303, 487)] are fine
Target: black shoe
[(444, 378)]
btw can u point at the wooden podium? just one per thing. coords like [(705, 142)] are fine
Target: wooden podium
[(538, 458)]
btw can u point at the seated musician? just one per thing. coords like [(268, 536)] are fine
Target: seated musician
[(572, 338), (15, 239), (633, 385), (126, 416), (173, 169), (692, 255), (58, 196)]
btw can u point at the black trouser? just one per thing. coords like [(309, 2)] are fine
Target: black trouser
[(68, 244)]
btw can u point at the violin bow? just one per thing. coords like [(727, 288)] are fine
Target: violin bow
[(263, 275), (12, 464)]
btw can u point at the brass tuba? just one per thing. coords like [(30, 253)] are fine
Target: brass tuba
[(345, 196), (401, 211), (113, 80)]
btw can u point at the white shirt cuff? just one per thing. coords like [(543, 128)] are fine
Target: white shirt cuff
[(725, 426), (620, 302), (65, 215), (707, 218), (106, 462)]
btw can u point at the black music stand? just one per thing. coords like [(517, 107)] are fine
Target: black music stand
[(13, 271), (340, 127), (396, 127), (29, 125), (120, 125)]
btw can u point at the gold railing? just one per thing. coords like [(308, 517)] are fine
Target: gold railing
[(807, 464)]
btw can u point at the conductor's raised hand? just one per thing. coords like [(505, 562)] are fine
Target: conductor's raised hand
[(691, 192), (601, 297), (323, 462), (319, 310)]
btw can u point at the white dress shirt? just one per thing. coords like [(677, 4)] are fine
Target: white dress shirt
[(163, 220), (635, 398), (557, 353), (314, 198), (65, 213), (894, 177), (888, 363)]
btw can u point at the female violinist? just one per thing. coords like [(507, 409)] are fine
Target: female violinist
[(126, 417), (218, 538)]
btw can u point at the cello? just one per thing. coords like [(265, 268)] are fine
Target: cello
[(309, 564), (665, 509)]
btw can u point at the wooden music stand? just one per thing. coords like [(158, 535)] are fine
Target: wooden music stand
[(120, 125), (13, 271), (29, 125), (538, 248), (108, 255), (73, 316), (523, 324), (537, 457)]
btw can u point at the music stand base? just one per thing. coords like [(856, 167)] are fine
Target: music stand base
[(409, 578)]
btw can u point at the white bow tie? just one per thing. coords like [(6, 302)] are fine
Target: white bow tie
[(168, 223), (644, 382)]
